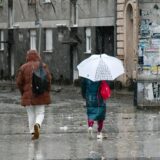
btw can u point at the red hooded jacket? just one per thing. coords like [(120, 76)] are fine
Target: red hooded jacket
[(24, 81)]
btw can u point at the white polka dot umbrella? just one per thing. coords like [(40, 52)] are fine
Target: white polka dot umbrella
[(100, 67)]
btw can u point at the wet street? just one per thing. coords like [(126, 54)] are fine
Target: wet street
[(132, 133)]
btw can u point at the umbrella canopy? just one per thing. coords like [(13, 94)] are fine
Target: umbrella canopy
[(101, 67)]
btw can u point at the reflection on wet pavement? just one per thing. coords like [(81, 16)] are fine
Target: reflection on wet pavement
[(35, 150), (132, 134)]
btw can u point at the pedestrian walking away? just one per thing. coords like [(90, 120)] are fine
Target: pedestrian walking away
[(34, 103), (95, 70), (95, 106)]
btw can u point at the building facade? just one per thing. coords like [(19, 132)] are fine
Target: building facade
[(63, 31), (137, 24), (127, 28)]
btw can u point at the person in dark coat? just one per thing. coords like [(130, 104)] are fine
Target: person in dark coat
[(96, 107), (34, 104)]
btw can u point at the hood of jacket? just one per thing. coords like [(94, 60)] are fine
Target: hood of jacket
[(33, 55)]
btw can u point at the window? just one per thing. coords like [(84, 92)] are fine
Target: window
[(31, 2), (49, 40), (1, 3), (1, 40), (74, 13), (32, 39), (10, 3), (10, 13), (88, 40), (46, 1)]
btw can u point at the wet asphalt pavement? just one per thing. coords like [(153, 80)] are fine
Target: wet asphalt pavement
[(132, 133)]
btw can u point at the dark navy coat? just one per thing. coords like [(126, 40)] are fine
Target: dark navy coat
[(96, 107)]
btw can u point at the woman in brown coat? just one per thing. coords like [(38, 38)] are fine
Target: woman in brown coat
[(35, 104)]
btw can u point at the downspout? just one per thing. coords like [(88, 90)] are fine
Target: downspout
[(135, 82), (115, 28), (115, 38)]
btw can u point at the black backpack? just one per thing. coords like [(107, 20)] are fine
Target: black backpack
[(40, 81)]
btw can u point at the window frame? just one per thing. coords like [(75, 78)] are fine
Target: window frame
[(74, 13), (46, 1), (1, 3), (10, 13), (2, 40), (33, 39), (88, 37), (48, 40)]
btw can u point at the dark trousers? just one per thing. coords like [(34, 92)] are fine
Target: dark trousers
[(99, 123)]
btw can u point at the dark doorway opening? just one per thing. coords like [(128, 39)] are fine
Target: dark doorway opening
[(105, 43), (105, 40)]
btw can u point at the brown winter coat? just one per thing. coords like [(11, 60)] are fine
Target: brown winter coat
[(24, 81)]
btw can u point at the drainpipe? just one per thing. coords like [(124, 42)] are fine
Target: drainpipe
[(115, 28)]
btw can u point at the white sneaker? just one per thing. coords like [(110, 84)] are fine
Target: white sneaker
[(99, 135), (90, 132)]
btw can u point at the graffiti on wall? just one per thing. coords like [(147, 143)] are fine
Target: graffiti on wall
[(149, 43), (148, 86), (145, 27), (150, 21), (149, 91), (145, 13), (149, 59)]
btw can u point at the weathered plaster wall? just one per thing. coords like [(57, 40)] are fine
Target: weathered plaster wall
[(4, 15), (96, 12), (58, 60)]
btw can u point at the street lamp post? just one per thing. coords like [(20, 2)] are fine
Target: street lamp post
[(39, 23)]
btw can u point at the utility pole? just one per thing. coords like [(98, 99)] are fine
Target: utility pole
[(40, 35), (39, 23)]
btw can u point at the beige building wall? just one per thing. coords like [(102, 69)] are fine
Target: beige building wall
[(127, 37)]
